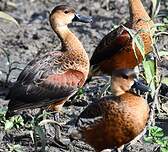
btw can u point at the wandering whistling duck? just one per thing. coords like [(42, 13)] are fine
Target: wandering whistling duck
[(115, 50), (113, 120), (51, 79)]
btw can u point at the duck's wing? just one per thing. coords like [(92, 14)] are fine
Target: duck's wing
[(112, 43), (44, 81), (96, 112), (90, 116)]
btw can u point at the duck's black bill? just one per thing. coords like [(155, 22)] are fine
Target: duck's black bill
[(140, 86), (84, 19)]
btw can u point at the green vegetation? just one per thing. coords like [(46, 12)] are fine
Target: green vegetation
[(156, 135), (14, 148), (14, 122), (153, 78), (35, 127)]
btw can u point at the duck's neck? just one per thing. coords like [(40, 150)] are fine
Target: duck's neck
[(69, 41), (119, 85), (137, 11)]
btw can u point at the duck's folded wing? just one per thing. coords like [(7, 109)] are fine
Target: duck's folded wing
[(90, 116), (42, 83), (112, 43)]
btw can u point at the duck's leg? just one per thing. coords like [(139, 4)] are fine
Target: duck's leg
[(57, 138)]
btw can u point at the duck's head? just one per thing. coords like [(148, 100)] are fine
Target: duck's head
[(63, 15), (122, 81)]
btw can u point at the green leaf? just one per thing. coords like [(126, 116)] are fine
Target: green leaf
[(165, 80), (8, 125), (156, 131), (139, 43), (12, 119), (150, 74), (3, 110), (159, 133), (163, 149), (136, 41), (166, 139), (148, 139), (155, 8), (162, 27), (44, 114), (17, 126), (8, 17), (15, 148), (160, 142), (18, 120), (156, 135), (39, 130), (80, 91)]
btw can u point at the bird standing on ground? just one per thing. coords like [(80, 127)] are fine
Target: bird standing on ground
[(115, 50), (51, 79), (113, 120)]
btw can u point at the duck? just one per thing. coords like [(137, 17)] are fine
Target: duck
[(51, 79), (115, 50), (114, 120)]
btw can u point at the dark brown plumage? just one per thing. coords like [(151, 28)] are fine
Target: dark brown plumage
[(113, 120), (115, 50)]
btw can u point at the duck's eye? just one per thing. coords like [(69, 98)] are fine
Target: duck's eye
[(66, 12), (124, 76)]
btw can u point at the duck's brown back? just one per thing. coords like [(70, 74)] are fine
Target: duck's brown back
[(115, 50), (116, 121)]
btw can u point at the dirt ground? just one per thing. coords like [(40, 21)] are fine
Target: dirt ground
[(35, 36)]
